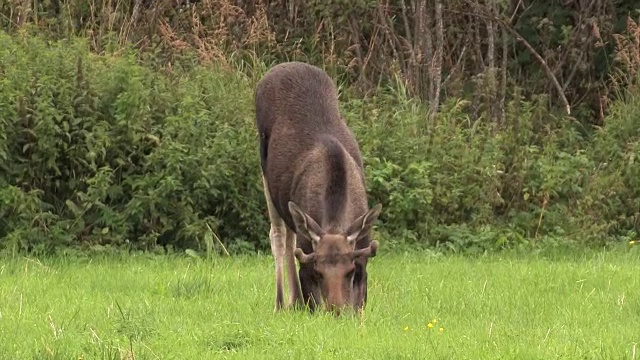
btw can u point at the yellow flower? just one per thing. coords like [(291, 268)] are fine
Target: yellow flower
[(441, 329), (406, 328), (429, 325), (632, 242)]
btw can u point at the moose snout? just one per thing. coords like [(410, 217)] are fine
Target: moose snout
[(335, 302)]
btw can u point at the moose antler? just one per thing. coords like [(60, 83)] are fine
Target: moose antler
[(369, 251), (302, 257)]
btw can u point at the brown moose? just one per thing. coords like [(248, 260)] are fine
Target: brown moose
[(314, 185)]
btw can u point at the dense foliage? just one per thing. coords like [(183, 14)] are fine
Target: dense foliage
[(111, 150), (99, 150)]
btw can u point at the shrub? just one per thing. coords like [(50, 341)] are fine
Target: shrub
[(109, 150), (610, 206), (103, 151)]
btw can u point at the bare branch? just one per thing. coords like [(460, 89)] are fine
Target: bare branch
[(456, 66), (542, 62), (355, 31), (405, 21), (503, 82), (412, 69), (425, 49), (491, 64), (436, 73), (392, 37), (523, 41)]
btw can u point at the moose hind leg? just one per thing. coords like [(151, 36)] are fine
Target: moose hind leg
[(277, 237)]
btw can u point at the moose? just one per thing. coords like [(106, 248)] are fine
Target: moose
[(312, 173)]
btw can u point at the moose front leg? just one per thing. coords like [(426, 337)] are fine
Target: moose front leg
[(295, 293), (277, 238)]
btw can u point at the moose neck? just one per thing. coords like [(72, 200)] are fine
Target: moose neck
[(329, 184)]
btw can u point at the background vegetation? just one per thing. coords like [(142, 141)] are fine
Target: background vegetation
[(483, 125)]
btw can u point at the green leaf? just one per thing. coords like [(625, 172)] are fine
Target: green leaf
[(74, 208)]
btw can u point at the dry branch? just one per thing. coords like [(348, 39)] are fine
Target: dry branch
[(505, 25), (436, 73), (542, 62)]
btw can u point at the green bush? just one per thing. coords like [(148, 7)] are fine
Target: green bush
[(426, 176), (483, 186), (110, 151), (610, 205), (103, 151)]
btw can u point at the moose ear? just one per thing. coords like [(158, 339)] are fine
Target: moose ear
[(361, 226), (305, 225)]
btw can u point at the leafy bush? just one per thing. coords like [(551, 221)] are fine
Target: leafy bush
[(610, 205), (110, 151), (102, 151)]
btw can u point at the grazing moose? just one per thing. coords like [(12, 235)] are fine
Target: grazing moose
[(314, 185)]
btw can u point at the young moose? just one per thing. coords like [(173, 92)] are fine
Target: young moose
[(314, 185)]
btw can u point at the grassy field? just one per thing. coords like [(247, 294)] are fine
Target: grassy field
[(175, 307)]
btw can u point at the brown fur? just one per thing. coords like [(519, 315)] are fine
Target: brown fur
[(314, 186)]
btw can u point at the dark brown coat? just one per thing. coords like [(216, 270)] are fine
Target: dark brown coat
[(314, 184)]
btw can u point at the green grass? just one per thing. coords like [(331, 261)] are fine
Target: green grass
[(170, 307)]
